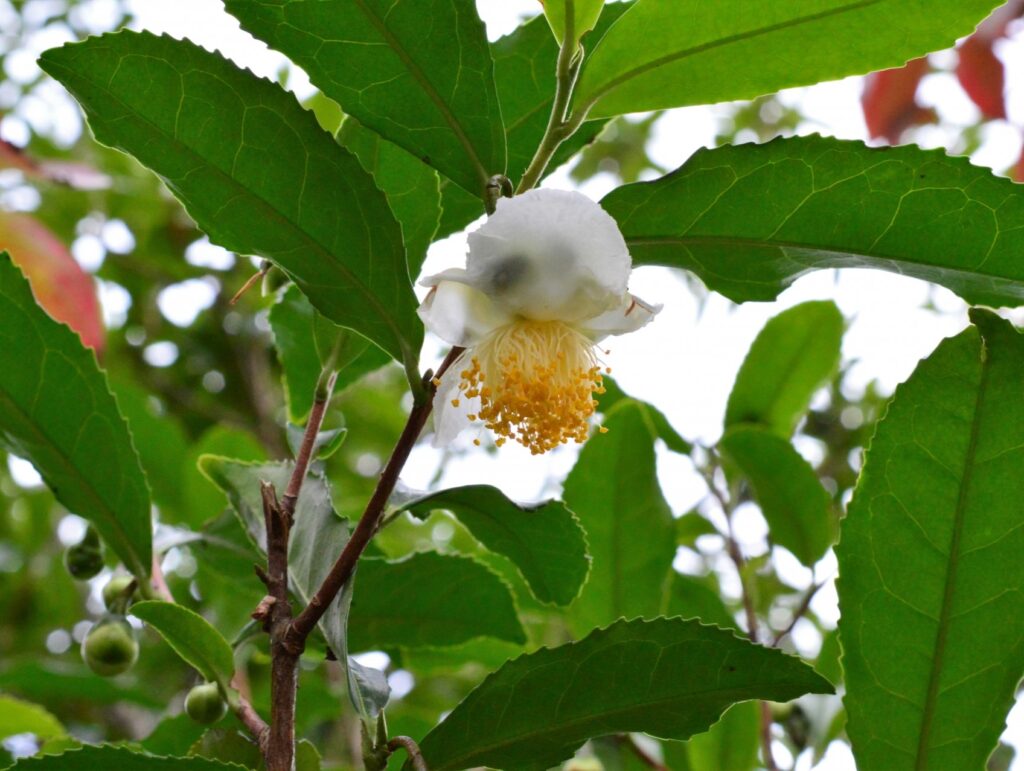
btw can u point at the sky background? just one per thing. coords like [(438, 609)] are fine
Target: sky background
[(685, 361)]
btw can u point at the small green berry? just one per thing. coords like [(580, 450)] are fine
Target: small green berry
[(115, 596), (110, 647), (204, 704)]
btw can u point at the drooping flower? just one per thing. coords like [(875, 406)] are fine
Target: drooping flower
[(545, 280)]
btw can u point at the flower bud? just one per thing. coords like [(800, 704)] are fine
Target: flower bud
[(204, 704), (110, 647)]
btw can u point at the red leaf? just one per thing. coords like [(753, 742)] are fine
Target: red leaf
[(80, 176), (889, 102), (60, 285), (981, 74)]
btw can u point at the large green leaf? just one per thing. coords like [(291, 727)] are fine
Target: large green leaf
[(430, 599), (795, 354), (584, 16), (254, 170), (751, 219), (545, 541), (418, 72), (670, 53), (57, 411), (668, 677), (698, 597), (21, 717), (303, 339), (317, 539), (192, 637), (412, 188), (613, 488), (931, 584), (91, 758), (524, 71), (791, 497)]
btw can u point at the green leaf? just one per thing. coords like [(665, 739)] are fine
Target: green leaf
[(931, 579), (57, 411), (798, 509), (700, 598), (544, 541), (317, 539), (584, 16), (731, 743), (751, 219), (664, 53), (192, 637), (524, 72), (795, 354), (411, 188), (254, 170), (613, 488), (669, 678), (429, 599), (91, 757), (22, 717), (418, 73), (303, 338), (692, 526), (173, 735)]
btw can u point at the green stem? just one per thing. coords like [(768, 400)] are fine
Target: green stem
[(561, 125)]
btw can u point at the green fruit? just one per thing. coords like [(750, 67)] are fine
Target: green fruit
[(110, 647), (115, 596), (204, 704), (83, 561)]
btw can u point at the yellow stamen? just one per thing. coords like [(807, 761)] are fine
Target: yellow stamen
[(541, 376), (455, 402)]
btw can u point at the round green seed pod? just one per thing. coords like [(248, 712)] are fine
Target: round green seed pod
[(110, 647), (83, 561), (115, 596), (204, 704)]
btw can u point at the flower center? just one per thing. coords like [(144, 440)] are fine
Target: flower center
[(535, 381)]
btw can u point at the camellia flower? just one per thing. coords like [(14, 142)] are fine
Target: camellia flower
[(545, 280)]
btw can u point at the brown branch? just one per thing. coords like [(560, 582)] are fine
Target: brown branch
[(305, 454), (798, 614), (411, 748), (342, 569), (637, 750)]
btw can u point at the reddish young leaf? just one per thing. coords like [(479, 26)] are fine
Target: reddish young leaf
[(982, 76), (61, 287), (889, 102), (80, 176)]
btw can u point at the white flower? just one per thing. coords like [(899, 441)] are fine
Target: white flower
[(544, 281)]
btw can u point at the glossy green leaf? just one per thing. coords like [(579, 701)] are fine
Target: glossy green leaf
[(669, 678), (418, 72), (173, 735), (751, 219), (613, 488), (698, 597), (730, 744), (317, 539), (524, 72), (931, 587), (584, 16), (544, 541), (23, 717), (192, 637), (671, 53), (411, 187), (303, 339), (254, 170), (57, 411), (429, 599), (798, 509), (795, 354), (91, 758), (656, 418)]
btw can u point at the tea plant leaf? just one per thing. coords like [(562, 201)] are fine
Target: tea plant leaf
[(751, 219), (931, 587), (192, 637)]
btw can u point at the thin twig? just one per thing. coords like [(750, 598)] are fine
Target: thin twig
[(368, 524), (411, 748), (637, 750), (305, 454), (799, 613), (265, 267)]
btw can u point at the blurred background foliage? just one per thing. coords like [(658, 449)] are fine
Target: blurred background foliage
[(196, 375)]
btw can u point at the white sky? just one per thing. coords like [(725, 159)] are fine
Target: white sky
[(685, 361)]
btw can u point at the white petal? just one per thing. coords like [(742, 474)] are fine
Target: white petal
[(449, 420), (458, 313), (550, 255), (631, 314)]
